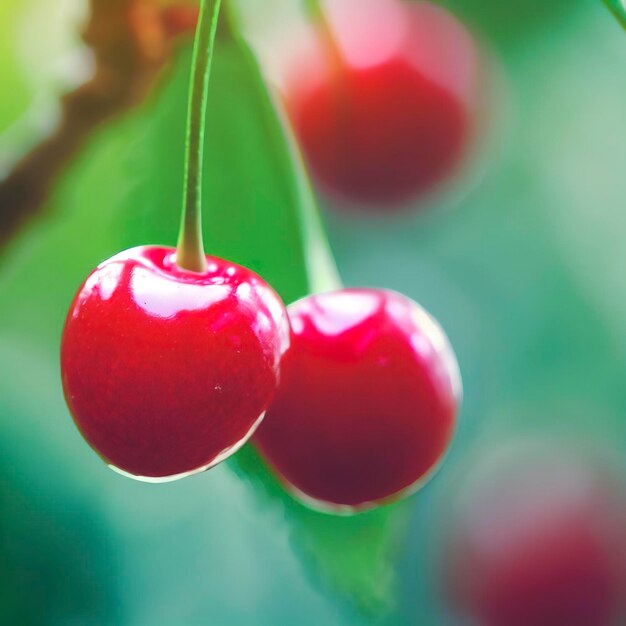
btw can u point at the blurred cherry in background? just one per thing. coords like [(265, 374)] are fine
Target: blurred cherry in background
[(384, 104), (538, 540)]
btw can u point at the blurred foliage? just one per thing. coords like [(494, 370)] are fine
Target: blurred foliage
[(53, 551), (525, 272), (12, 79), (507, 23), (618, 8)]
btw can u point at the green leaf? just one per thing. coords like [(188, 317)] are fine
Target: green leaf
[(259, 209), (618, 8)]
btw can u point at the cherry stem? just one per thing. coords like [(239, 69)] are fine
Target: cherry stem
[(315, 10), (190, 249)]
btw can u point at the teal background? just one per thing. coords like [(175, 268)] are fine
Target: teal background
[(522, 262)]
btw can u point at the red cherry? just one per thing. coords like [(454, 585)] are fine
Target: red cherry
[(540, 544), (165, 371), (367, 402), (388, 116)]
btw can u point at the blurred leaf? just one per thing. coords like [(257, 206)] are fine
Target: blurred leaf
[(508, 23), (618, 8), (14, 90)]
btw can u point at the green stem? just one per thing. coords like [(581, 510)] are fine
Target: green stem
[(315, 11), (190, 249), (618, 8)]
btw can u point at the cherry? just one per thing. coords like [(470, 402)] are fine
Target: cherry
[(167, 371), (384, 109), (539, 544), (367, 402)]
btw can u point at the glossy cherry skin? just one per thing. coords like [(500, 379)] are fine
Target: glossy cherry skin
[(390, 118), (367, 402), (544, 547), (165, 371)]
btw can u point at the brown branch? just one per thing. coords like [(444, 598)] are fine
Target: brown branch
[(131, 40)]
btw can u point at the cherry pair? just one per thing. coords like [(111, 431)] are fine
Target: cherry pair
[(168, 371)]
